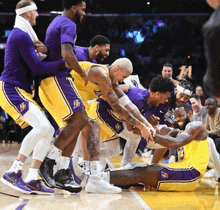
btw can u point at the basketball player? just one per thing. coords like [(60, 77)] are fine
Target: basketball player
[(104, 82), (97, 51), (184, 175), (21, 64), (112, 125)]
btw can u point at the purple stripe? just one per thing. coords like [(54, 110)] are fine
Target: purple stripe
[(15, 99), (181, 174), (71, 97), (22, 205), (103, 109)]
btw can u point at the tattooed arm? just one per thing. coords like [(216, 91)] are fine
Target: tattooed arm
[(70, 58), (194, 131), (97, 76), (132, 108)]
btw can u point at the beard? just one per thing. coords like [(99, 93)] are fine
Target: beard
[(78, 19)]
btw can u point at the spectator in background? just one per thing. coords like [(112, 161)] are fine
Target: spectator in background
[(98, 50), (199, 91), (167, 71), (199, 111), (212, 118)]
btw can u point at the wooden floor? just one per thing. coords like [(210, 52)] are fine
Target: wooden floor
[(203, 198)]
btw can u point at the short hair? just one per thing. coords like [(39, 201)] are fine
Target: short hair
[(24, 3), (186, 85), (197, 97), (124, 63), (67, 4), (168, 65), (212, 99), (161, 84), (99, 40), (186, 107)]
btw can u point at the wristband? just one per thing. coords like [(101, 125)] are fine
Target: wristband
[(124, 100)]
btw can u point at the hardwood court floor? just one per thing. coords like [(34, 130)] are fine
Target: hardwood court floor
[(205, 197)]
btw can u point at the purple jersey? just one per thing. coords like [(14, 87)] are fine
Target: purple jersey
[(82, 54), (166, 110), (139, 98), (21, 63), (61, 30)]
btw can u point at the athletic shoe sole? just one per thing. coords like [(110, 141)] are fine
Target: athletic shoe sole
[(14, 187), (70, 189), (45, 181)]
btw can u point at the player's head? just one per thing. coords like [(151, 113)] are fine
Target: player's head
[(196, 103), (101, 45), (160, 88), (28, 10), (120, 69), (77, 9), (183, 115), (211, 105), (183, 92), (167, 70)]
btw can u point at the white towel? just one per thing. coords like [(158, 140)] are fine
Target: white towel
[(25, 26)]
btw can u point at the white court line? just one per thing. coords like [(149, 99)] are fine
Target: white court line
[(140, 200)]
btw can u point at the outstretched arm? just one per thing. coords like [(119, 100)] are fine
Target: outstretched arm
[(132, 108), (96, 75), (194, 131)]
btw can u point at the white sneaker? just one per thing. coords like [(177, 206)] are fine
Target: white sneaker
[(146, 154), (96, 184), (210, 173)]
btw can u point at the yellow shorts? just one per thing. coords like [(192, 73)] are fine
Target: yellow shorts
[(15, 101), (110, 125), (175, 177), (60, 97)]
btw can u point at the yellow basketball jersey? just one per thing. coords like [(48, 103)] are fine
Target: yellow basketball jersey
[(90, 91), (195, 154)]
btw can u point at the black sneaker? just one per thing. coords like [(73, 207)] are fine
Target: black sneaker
[(64, 180), (46, 172)]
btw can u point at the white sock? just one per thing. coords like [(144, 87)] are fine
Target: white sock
[(64, 163), (54, 153), (91, 167), (16, 166), (32, 175)]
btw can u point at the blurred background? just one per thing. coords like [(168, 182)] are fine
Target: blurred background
[(150, 33)]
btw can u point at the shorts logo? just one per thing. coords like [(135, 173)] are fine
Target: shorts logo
[(164, 175), (76, 103), (22, 106), (117, 127)]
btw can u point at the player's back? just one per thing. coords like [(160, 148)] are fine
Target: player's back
[(90, 91)]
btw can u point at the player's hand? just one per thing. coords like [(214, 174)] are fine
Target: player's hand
[(146, 132), (40, 47), (153, 120), (85, 78), (125, 87)]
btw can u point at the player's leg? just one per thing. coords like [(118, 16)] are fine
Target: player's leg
[(91, 153), (60, 97)]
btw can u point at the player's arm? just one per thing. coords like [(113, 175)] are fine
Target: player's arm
[(70, 58), (194, 131), (132, 108), (96, 75)]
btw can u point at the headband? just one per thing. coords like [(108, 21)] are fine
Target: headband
[(26, 9), (184, 90)]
